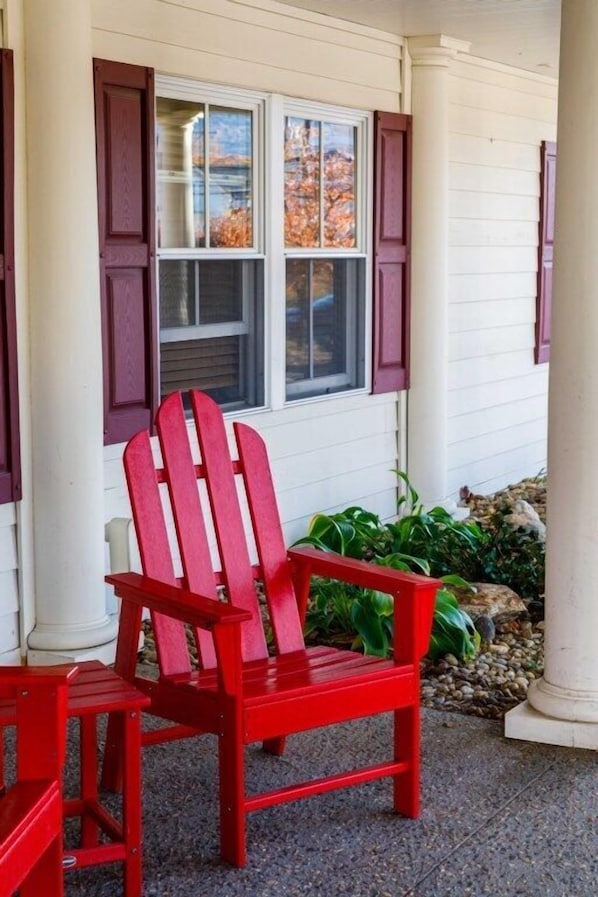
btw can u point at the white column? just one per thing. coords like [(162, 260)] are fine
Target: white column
[(427, 403), (66, 356), (562, 708)]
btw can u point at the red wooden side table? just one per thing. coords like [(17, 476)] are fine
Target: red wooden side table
[(97, 689)]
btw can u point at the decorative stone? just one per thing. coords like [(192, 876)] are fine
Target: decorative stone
[(491, 600), (499, 649), (523, 516), (485, 626)]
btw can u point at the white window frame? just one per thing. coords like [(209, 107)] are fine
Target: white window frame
[(269, 113), (360, 120)]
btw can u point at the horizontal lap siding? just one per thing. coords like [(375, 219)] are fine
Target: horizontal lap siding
[(497, 402), (260, 46), (328, 454)]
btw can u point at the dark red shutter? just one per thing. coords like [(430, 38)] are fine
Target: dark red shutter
[(124, 101), (10, 460), (392, 232), (545, 250)]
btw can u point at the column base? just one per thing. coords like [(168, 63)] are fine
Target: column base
[(526, 724), (104, 653), (573, 704), (68, 639)]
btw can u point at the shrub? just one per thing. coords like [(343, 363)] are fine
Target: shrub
[(365, 616)]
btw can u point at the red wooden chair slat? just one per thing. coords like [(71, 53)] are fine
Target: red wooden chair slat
[(187, 514), (276, 572), (227, 520), (251, 696), (154, 547)]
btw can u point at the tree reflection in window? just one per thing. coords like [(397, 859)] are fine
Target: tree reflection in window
[(319, 175)]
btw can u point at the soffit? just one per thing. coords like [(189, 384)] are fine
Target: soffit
[(521, 33)]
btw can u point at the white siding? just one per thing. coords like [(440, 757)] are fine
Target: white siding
[(326, 454), (9, 593), (497, 401)]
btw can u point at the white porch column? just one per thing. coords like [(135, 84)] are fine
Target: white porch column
[(427, 401), (66, 358), (562, 708)]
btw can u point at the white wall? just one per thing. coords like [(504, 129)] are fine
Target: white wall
[(9, 593), (497, 401), (326, 454)]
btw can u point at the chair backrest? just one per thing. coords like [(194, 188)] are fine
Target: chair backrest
[(183, 506)]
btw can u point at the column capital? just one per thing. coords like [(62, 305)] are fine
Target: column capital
[(435, 49)]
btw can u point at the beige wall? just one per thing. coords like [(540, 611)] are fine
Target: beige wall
[(497, 396), (260, 45)]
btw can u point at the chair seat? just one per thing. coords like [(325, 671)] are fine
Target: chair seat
[(296, 691)]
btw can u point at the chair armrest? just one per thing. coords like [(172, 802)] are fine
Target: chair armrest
[(175, 602), (413, 613), (357, 572)]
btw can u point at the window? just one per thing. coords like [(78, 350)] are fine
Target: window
[(212, 262), (210, 272), (325, 258)]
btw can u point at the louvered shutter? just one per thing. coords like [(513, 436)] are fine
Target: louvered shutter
[(124, 107), (392, 232), (545, 250), (10, 461)]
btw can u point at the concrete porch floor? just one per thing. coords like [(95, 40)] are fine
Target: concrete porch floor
[(500, 818)]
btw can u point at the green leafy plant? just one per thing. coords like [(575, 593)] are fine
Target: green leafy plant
[(353, 532), (453, 631), (513, 557), (364, 617), (447, 544)]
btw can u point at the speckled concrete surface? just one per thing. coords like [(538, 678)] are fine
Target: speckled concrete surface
[(500, 818)]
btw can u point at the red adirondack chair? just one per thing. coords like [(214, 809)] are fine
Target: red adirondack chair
[(241, 693), (31, 811)]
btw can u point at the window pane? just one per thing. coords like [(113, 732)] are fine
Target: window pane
[(220, 291), (211, 329), (302, 182), (177, 294), (298, 319), (181, 173), (325, 301), (230, 177), (339, 185), (328, 316)]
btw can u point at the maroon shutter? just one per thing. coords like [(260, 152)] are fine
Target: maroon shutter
[(124, 98), (10, 461), (392, 232), (545, 250)]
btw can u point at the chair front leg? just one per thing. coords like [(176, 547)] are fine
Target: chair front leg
[(231, 754), (406, 785), (231, 760)]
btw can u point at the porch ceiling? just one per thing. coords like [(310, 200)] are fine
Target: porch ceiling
[(521, 33)]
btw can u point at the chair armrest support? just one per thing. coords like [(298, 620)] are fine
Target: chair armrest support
[(175, 602)]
